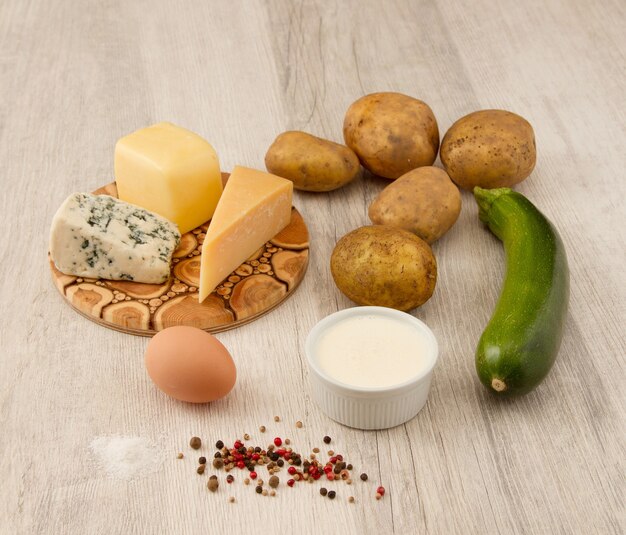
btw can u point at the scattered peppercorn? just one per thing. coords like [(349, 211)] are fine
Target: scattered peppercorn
[(291, 482), (246, 436), (219, 445), (217, 455), (259, 489), (274, 481), (213, 484), (326, 439), (280, 463), (253, 475), (229, 479), (272, 493), (380, 490), (264, 492), (278, 441), (323, 491), (218, 463), (195, 443), (378, 496), (200, 469), (231, 499), (332, 494), (363, 477), (246, 481), (299, 424), (262, 429), (277, 418), (351, 499), (180, 456), (202, 460), (349, 467)]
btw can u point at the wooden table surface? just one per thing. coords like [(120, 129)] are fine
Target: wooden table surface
[(77, 76)]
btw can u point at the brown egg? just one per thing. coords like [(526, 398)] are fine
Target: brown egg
[(190, 364)]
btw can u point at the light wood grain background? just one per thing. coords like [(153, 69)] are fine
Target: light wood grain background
[(75, 76)]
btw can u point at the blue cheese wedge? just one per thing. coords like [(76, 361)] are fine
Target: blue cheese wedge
[(101, 237)]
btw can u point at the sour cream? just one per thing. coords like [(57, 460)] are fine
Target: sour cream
[(372, 351)]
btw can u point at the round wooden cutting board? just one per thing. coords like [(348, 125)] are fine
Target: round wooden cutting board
[(258, 285)]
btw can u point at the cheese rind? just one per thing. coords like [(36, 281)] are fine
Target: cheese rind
[(100, 237), (170, 171), (254, 207)]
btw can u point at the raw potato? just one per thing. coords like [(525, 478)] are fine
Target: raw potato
[(311, 163), (384, 266), (490, 149), (391, 133), (423, 201)]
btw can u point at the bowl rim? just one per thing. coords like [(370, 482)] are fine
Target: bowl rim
[(340, 315)]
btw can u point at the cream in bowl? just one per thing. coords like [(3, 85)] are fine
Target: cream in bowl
[(371, 366)]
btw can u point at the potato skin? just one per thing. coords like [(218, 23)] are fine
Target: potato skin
[(311, 163), (490, 149), (384, 266), (423, 201), (391, 133)]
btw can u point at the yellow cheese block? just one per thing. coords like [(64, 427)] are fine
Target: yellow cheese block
[(254, 207), (171, 171)]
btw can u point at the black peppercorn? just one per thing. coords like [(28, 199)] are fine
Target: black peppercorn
[(217, 455), (202, 460), (326, 439), (259, 489), (332, 494), (323, 491), (280, 462), (363, 477), (219, 445)]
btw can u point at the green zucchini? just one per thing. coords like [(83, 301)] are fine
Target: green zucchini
[(520, 344)]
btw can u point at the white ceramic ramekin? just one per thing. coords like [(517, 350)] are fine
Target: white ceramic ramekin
[(370, 408)]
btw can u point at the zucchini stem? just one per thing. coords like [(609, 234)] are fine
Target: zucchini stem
[(485, 198), (498, 385)]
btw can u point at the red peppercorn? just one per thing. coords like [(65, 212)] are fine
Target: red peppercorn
[(252, 475), (241, 465), (237, 444), (311, 469), (280, 452), (380, 490), (316, 476), (278, 441), (330, 476), (255, 456), (328, 468), (291, 482), (229, 479), (287, 455), (292, 470)]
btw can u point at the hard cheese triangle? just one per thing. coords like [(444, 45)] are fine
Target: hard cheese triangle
[(254, 207)]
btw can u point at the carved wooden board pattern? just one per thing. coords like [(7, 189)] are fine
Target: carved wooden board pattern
[(258, 285)]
